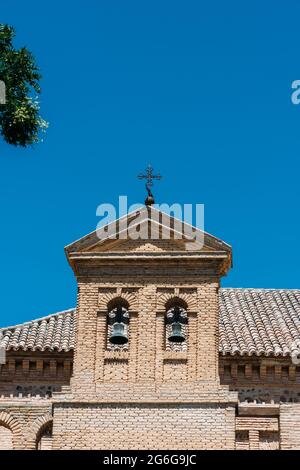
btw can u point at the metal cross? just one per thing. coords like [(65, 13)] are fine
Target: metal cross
[(149, 176)]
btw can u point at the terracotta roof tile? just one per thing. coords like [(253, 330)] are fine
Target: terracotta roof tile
[(52, 333), (259, 321)]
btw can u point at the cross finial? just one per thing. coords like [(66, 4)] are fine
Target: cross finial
[(149, 176)]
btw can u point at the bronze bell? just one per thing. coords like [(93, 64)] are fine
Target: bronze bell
[(118, 335), (177, 335)]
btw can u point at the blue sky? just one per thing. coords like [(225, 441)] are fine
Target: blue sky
[(199, 89)]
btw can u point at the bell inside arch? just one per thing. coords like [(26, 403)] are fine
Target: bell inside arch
[(118, 334), (177, 335)]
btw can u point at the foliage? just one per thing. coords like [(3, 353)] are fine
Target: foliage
[(20, 122)]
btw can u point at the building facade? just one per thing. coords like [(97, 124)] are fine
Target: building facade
[(156, 354)]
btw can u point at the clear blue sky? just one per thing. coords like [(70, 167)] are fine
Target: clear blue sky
[(199, 89)]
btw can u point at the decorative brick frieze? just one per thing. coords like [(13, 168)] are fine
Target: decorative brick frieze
[(258, 371)]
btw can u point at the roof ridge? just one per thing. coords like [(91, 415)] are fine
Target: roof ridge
[(51, 315)]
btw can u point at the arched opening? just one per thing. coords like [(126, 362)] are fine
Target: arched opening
[(44, 437), (176, 325), (116, 302), (176, 302), (6, 437), (117, 324)]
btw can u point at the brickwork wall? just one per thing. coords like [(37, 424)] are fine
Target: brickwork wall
[(24, 420), (242, 440), (290, 426), (6, 441), (45, 443), (161, 397), (143, 427), (257, 433), (269, 440), (146, 359), (252, 435), (251, 432)]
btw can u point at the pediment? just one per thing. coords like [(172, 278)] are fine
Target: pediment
[(148, 231), (140, 246)]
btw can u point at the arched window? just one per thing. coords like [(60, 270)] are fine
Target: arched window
[(176, 321), (44, 438), (118, 324)]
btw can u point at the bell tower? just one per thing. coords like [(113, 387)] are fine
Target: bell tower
[(146, 350)]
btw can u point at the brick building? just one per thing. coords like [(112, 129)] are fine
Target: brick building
[(155, 356)]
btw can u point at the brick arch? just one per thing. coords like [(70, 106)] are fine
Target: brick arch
[(117, 301), (39, 425), (173, 301), (10, 422), (187, 301), (109, 297)]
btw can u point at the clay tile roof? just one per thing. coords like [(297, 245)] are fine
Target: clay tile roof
[(252, 322), (259, 321), (52, 333)]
